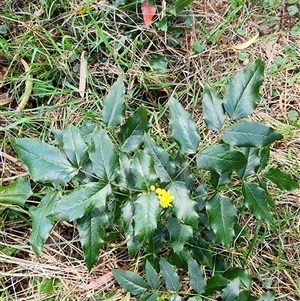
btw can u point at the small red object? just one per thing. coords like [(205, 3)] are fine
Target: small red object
[(148, 12)]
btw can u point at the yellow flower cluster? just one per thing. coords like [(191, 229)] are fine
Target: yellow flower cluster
[(164, 197)]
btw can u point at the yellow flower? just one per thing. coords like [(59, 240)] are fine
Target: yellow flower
[(164, 197), (152, 188)]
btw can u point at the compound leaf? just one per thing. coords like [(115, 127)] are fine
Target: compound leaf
[(91, 233), (242, 94), (231, 291), (256, 199), (268, 296), (152, 276), (104, 157), (220, 158), (216, 283), (163, 166), (44, 162), (213, 112), (179, 234), (16, 193), (184, 129), (250, 133), (196, 276), (149, 297), (183, 205), (146, 213), (114, 104), (253, 161), (81, 201), (130, 281), (74, 146), (222, 216), (283, 180), (170, 277), (41, 223), (132, 132)]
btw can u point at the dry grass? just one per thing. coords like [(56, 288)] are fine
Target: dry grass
[(275, 256)]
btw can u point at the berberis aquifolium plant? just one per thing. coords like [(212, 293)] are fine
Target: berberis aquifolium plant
[(115, 175)]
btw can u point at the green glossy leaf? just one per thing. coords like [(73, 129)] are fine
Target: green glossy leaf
[(253, 161), (147, 211), (231, 291), (152, 276), (41, 223), (264, 158), (158, 63), (283, 180), (91, 233), (220, 158), (222, 216), (130, 281), (184, 129), (179, 234), (201, 251), (74, 146), (81, 201), (201, 196), (196, 276), (217, 180), (150, 297), (183, 205), (195, 299), (132, 132), (250, 133), (16, 193), (181, 4), (242, 93), (114, 104), (256, 199), (169, 275), (213, 112), (104, 157), (215, 284), (44, 162), (125, 178), (143, 170), (240, 273), (183, 172), (163, 166), (268, 296), (246, 296)]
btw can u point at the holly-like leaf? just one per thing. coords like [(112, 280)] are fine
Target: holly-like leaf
[(147, 211), (253, 161), (132, 132), (196, 276), (231, 291), (174, 298), (163, 166), (149, 297), (104, 157), (240, 273), (184, 129), (179, 234), (143, 170), (220, 158), (222, 216), (74, 146), (44, 162), (268, 296), (91, 233), (130, 281), (41, 223), (201, 251), (183, 205), (283, 180), (213, 112), (169, 275), (152, 276), (250, 133), (256, 199), (215, 284), (114, 104), (242, 93), (264, 155), (81, 201), (16, 193)]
